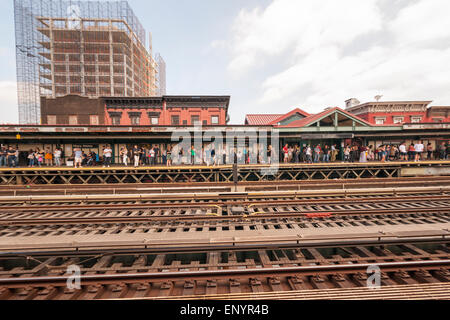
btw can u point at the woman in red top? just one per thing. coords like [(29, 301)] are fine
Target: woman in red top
[(286, 153)]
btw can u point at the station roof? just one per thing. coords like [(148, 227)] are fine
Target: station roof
[(311, 119), (261, 119)]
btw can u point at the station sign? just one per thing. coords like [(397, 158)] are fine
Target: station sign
[(328, 136)]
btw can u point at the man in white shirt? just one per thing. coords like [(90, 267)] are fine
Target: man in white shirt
[(419, 148), (403, 152), (107, 154)]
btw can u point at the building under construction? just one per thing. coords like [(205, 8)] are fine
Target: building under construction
[(87, 48), (161, 75)]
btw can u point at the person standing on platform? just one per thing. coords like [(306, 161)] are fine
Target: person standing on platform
[(169, 156), (107, 155), (11, 155), (142, 156), (382, 153), (40, 157), (419, 148), (152, 156), (394, 153), (317, 151), (286, 153), (334, 153), (124, 155), (297, 154), (304, 159), (441, 151), (78, 155), (326, 154), (3, 156), (269, 155), (411, 152), (363, 154), (403, 153), (30, 158), (136, 156), (192, 155), (387, 152), (308, 154), (429, 151), (57, 157), (347, 154), (353, 154), (48, 158)]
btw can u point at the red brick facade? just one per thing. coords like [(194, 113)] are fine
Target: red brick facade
[(167, 111), (398, 112), (123, 111)]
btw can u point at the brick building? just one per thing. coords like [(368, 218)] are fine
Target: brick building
[(72, 110), (399, 112), (126, 111)]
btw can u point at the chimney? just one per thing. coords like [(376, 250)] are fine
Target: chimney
[(351, 103)]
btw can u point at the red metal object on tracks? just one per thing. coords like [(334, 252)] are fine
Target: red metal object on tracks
[(319, 215)]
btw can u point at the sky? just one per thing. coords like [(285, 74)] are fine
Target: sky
[(272, 56)]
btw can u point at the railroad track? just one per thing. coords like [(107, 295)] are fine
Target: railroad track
[(15, 190), (213, 274)]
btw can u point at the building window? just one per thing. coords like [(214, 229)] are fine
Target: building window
[(154, 121), (380, 120), (73, 120), (438, 120), (205, 122), (416, 119), (93, 120), (175, 120), (51, 119), (195, 120), (214, 119), (184, 122), (399, 120), (115, 120), (135, 120)]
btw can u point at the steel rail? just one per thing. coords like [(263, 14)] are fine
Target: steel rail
[(277, 215), (189, 204), (223, 248), (342, 183), (227, 274)]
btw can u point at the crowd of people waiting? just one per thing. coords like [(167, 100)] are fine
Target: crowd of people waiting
[(153, 155)]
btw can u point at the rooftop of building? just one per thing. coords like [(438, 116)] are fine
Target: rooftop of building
[(387, 103)]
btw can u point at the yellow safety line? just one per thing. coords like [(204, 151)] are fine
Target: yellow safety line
[(99, 168)]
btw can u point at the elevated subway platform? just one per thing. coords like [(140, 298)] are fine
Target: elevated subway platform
[(219, 174)]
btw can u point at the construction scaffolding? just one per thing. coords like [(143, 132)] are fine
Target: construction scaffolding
[(88, 48)]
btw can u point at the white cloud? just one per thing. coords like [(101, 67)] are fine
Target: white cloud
[(8, 102), (402, 55), (298, 26), (424, 21)]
